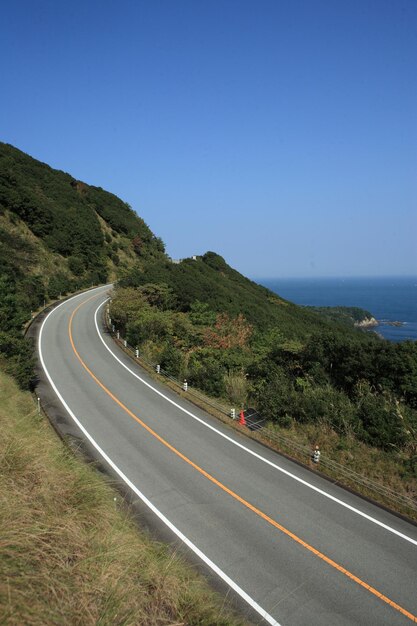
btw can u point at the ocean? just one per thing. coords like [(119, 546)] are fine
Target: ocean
[(389, 299)]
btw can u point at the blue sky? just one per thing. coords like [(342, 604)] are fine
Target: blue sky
[(281, 134)]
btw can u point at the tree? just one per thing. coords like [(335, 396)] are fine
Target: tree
[(205, 372), (228, 332), (201, 314), (274, 397), (159, 295), (382, 422), (172, 360)]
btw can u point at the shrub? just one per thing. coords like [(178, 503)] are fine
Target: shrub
[(171, 360), (205, 372), (59, 284), (236, 386), (19, 358), (273, 396), (325, 404), (381, 421)]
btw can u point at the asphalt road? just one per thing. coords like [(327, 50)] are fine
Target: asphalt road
[(295, 548)]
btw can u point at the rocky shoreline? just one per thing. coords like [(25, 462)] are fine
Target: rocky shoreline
[(360, 318), (371, 322), (367, 322)]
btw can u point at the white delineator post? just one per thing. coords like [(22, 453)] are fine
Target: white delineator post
[(185, 385), (316, 455)]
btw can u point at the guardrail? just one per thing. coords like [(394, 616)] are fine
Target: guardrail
[(336, 471), (342, 473)]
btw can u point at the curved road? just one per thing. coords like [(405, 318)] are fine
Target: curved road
[(295, 548)]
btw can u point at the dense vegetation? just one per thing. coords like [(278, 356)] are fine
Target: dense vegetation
[(347, 314), (209, 280), (19, 293), (200, 319), (57, 235), (203, 321)]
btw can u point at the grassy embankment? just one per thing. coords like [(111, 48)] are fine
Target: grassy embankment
[(70, 553), (387, 470)]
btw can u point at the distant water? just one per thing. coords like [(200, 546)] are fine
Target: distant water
[(391, 299)]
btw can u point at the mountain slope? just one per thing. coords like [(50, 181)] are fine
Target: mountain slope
[(65, 215), (209, 279), (57, 235)]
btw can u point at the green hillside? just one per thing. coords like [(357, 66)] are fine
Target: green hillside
[(200, 318), (203, 321), (351, 315), (57, 235), (313, 376), (209, 279), (84, 224)]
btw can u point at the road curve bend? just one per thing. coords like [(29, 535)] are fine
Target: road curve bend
[(294, 548)]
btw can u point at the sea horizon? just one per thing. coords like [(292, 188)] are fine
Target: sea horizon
[(389, 299), (336, 277)]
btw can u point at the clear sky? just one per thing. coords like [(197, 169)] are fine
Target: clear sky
[(281, 134)]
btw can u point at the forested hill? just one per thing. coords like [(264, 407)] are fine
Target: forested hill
[(91, 229), (57, 235), (208, 279), (199, 318)]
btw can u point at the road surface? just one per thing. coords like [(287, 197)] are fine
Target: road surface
[(294, 548)]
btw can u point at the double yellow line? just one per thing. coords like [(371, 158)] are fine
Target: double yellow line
[(226, 489)]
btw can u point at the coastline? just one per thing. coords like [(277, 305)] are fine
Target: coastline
[(390, 300), (367, 322)]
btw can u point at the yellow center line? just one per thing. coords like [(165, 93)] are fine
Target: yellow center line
[(233, 494)]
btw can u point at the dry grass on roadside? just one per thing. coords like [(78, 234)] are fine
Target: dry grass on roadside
[(67, 554), (377, 465)]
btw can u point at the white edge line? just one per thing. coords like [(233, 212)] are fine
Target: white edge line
[(255, 454), (254, 605)]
